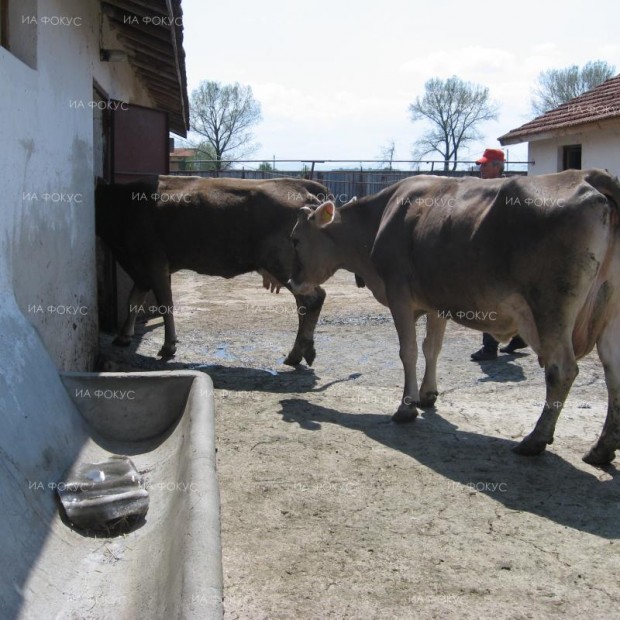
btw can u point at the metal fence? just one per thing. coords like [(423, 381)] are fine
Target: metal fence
[(343, 183)]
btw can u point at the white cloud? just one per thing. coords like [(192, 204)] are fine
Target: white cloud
[(288, 103), (469, 63)]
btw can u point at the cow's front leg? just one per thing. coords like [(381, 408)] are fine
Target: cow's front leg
[(163, 294), (308, 312), (435, 330), (137, 297), (603, 451), (560, 372), (404, 320)]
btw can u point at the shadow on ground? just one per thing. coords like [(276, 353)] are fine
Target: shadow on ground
[(281, 380), (546, 485), (503, 369)]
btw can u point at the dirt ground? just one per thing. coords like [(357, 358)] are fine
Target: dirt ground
[(330, 510)]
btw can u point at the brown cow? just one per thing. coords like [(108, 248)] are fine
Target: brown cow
[(219, 227), (538, 256)]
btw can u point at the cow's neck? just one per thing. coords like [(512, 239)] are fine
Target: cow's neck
[(355, 237)]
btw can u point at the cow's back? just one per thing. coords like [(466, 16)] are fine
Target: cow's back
[(472, 240), (227, 227)]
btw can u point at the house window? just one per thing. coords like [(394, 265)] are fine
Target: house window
[(18, 29), (571, 157)]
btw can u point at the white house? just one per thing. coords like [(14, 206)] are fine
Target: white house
[(582, 133), (89, 88)]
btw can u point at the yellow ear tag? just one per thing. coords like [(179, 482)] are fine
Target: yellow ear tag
[(327, 214)]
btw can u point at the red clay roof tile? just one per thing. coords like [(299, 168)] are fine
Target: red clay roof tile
[(600, 103)]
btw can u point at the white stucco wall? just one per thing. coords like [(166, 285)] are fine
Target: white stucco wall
[(47, 239), (600, 148), (47, 252)]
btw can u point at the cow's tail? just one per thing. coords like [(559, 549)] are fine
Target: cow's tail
[(605, 286), (609, 186)]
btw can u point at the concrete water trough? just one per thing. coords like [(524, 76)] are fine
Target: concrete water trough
[(166, 566)]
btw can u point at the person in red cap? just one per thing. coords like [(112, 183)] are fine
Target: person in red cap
[(491, 164), (492, 167)]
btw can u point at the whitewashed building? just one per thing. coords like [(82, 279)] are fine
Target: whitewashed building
[(583, 133), (89, 88)]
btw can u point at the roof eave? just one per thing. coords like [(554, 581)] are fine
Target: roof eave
[(155, 53), (534, 136)]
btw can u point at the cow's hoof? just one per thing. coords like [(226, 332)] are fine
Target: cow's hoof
[(167, 352), (301, 350), (122, 341), (599, 456), (531, 446), (405, 413), (293, 358), (310, 355), (428, 399)]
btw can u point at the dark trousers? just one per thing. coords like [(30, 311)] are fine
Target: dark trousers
[(489, 343)]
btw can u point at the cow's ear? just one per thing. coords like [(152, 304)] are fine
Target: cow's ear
[(325, 214), (305, 213)]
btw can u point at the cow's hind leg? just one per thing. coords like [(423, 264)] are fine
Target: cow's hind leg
[(163, 294), (560, 372), (137, 296), (603, 451), (431, 347), (308, 312)]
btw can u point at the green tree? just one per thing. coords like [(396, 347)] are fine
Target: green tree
[(454, 109), (557, 86), (207, 159), (223, 115)]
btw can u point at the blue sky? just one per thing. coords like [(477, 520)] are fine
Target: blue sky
[(335, 78)]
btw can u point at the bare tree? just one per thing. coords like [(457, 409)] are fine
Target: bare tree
[(557, 86), (387, 154), (223, 116), (454, 109)]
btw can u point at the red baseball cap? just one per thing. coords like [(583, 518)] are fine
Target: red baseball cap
[(491, 155)]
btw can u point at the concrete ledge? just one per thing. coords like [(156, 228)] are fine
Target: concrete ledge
[(170, 567)]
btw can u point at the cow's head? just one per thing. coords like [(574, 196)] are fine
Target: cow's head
[(315, 249)]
